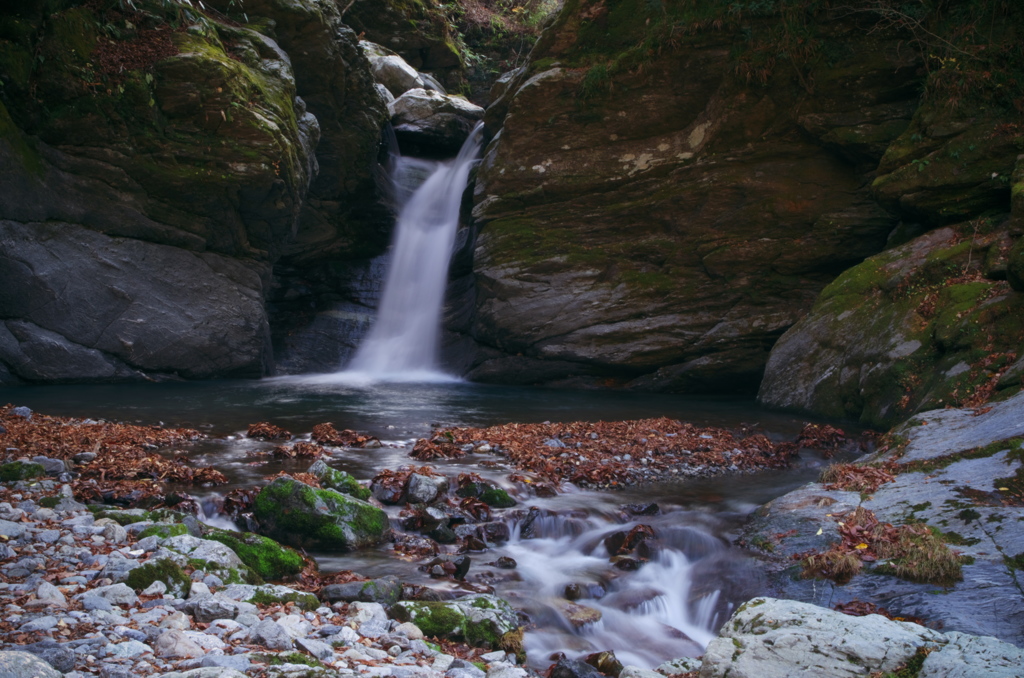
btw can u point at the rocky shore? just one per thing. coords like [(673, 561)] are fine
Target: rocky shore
[(92, 588)]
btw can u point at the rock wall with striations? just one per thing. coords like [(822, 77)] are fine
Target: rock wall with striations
[(155, 165), (663, 198)]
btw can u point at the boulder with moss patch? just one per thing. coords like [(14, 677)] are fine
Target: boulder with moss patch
[(303, 516), (340, 481), (918, 326), (480, 620), (164, 570), (270, 594), (20, 470), (262, 555)]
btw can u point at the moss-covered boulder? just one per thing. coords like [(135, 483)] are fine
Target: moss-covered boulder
[(207, 555), (270, 594), (481, 620), (339, 481), (163, 531), (317, 519), (163, 570), (20, 470), (263, 555), (913, 328)]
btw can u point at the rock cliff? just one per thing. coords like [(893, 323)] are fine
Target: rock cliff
[(655, 210), (155, 164)]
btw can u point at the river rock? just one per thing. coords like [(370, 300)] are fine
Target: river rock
[(295, 513), (386, 591), (573, 668), (426, 119), (424, 489), (271, 634), (397, 76), (877, 347), (15, 664), (768, 638), (481, 620), (966, 656)]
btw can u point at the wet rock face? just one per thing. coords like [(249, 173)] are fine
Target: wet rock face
[(151, 182), (665, 226), (915, 327)]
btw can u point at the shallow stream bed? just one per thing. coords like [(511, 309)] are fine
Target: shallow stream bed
[(670, 607)]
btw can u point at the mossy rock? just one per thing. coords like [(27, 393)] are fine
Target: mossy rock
[(481, 620), (119, 516), (303, 516), (339, 481), (263, 555), (164, 531), (19, 470), (165, 570), (271, 594), (497, 498)]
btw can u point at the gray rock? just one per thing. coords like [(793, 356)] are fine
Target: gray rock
[(122, 298), (236, 662), (967, 656), (128, 649), (11, 530), (394, 73), (39, 624), (317, 648), (371, 619), (386, 591), (270, 634), (115, 671), (209, 607), (477, 615), (58, 656), (114, 533), (94, 602), (175, 644), (423, 489), (770, 638), (25, 665), (431, 120), (48, 595), (637, 672), (679, 665), (188, 547), (206, 672), (116, 594)]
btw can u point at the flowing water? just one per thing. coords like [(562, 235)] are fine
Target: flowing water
[(670, 607), (402, 344)]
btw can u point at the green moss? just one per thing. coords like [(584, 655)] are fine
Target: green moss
[(163, 531), (437, 619), (121, 517), (340, 481), (19, 470), (958, 539), (49, 502), (497, 497), (932, 465), (306, 601), (263, 555), (165, 570), (289, 658)]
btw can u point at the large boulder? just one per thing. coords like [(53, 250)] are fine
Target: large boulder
[(427, 121), (915, 327), (262, 555), (770, 638), (317, 519), (658, 219)]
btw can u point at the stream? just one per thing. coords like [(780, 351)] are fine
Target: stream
[(670, 607)]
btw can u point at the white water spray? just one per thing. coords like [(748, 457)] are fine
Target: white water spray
[(402, 344)]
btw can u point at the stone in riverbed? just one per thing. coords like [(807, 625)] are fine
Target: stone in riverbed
[(770, 638), (386, 591), (299, 515), (482, 620), (25, 665), (433, 121), (262, 555)]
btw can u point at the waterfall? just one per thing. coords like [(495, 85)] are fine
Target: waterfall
[(402, 344)]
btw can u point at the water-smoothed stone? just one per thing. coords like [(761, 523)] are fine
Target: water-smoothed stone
[(386, 591), (271, 634), (482, 620), (394, 73), (206, 672), (48, 595), (965, 656), (269, 594), (299, 515), (423, 489), (427, 120), (116, 594), (573, 668), (15, 664), (769, 638), (129, 649)]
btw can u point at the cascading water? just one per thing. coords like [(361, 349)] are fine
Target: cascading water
[(402, 344)]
